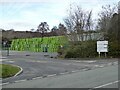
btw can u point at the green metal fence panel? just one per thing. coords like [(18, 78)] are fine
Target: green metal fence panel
[(37, 44)]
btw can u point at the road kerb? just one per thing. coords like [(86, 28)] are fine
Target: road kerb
[(21, 70)]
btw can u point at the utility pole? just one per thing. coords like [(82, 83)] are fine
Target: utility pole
[(118, 22), (6, 47), (119, 7), (7, 44)]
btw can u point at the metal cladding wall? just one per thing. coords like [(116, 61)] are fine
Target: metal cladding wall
[(49, 44)]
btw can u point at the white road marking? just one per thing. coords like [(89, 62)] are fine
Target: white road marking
[(11, 61), (101, 66), (64, 73), (115, 63), (52, 75), (3, 60), (75, 71), (4, 83), (107, 84), (37, 78), (38, 61), (2, 57), (109, 63), (96, 65), (86, 61), (21, 80), (84, 69)]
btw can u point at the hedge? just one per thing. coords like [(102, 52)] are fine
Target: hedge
[(82, 50)]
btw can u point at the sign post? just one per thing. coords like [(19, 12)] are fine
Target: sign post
[(6, 46), (119, 7), (99, 54), (102, 46)]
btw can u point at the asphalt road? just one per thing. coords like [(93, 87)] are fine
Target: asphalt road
[(40, 65), (97, 78)]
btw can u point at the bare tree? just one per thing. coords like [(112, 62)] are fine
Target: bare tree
[(77, 22), (89, 25), (89, 21), (104, 18)]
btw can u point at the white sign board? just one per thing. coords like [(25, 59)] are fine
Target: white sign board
[(102, 46)]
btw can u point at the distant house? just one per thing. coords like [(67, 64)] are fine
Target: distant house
[(85, 37)]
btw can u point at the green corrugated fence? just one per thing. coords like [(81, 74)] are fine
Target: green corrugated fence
[(50, 44)]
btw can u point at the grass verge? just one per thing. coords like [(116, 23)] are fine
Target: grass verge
[(8, 70)]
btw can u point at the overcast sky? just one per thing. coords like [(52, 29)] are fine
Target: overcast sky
[(22, 15)]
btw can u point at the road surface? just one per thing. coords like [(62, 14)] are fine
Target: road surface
[(40, 65), (97, 78)]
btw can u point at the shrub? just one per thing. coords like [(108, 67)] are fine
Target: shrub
[(114, 49), (88, 49), (82, 50)]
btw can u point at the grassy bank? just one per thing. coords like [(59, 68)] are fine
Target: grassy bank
[(8, 70)]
